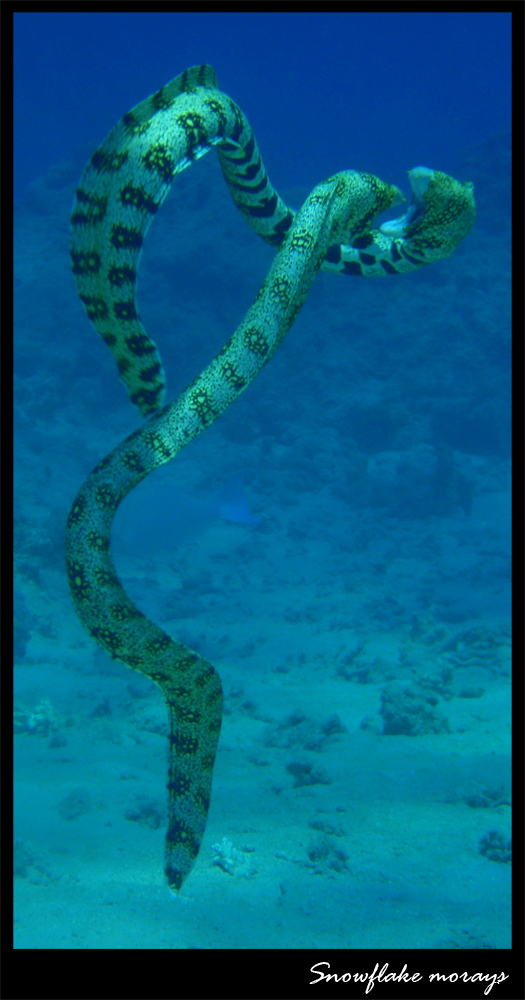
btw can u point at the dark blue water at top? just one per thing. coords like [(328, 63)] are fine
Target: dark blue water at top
[(369, 91)]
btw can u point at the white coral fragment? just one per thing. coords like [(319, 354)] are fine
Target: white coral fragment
[(233, 861), (42, 719)]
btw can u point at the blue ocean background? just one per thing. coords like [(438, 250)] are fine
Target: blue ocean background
[(337, 544)]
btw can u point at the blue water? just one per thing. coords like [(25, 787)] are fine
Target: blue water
[(357, 603)]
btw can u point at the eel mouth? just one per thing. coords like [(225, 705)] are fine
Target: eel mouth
[(420, 178)]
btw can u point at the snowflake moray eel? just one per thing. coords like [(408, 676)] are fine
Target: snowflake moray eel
[(122, 187)]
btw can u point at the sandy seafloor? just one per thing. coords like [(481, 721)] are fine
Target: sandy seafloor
[(361, 628)]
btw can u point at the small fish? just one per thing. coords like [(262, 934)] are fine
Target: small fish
[(157, 517), (232, 504)]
